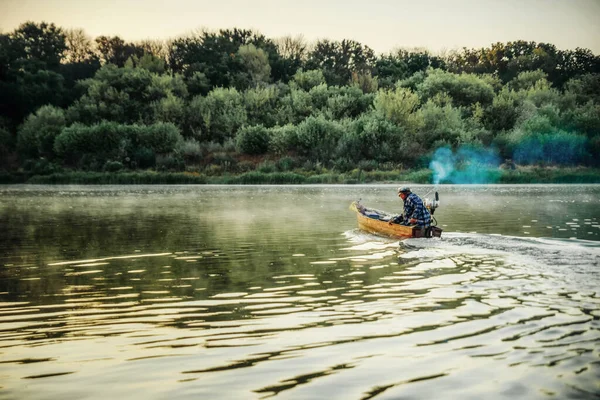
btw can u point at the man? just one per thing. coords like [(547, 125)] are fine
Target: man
[(415, 212)]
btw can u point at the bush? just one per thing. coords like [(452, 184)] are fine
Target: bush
[(40, 167), (161, 137), (217, 116), (295, 107), (283, 138), (286, 164), (143, 157), (318, 137), (169, 162), (255, 178), (368, 165), (527, 79), (348, 102), (373, 137), (253, 140), (113, 166), (441, 125), (343, 164), (6, 142), (190, 150), (397, 106), (105, 141), (37, 134), (169, 109), (266, 167), (306, 80), (260, 104), (106, 178), (111, 141), (503, 113), (465, 89)]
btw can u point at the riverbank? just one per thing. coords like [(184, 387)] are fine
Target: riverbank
[(525, 175)]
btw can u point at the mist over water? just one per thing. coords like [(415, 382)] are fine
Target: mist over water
[(253, 292)]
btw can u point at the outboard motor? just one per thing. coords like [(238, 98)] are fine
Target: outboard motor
[(433, 203)]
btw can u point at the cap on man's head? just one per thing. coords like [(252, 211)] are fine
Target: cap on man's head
[(404, 189)]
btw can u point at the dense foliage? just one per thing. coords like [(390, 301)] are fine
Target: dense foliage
[(237, 102)]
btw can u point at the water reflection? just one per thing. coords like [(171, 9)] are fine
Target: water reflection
[(261, 292)]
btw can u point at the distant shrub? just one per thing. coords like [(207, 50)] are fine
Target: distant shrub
[(160, 137), (253, 140), (306, 80), (245, 166), (37, 134), (106, 178), (190, 150), (367, 165), (113, 166), (112, 141), (169, 162), (283, 138), (41, 166), (143, 157), (256, 177), (343, 164), (266, 167), (318, 137), (285, 164)]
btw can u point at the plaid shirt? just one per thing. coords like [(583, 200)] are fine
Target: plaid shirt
[(414, 208)]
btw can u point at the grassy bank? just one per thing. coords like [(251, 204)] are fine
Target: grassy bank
[(423, 176)]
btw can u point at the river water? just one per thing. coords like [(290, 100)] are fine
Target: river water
[(236, 292)]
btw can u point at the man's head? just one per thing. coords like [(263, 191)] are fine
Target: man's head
[(403, 192)]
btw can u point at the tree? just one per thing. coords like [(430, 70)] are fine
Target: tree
[(317, 138), (365, 82), (527, 79), (79, 48), (403, 64), (295, 107), (29, 63), (464, 89), (373, 137), (39, 45), (397, 106), (114, 50), (148, 62), (253, 140), (292, 56), (261, 104), (218, 116), (347, 102), (215, 54), (256, 62), (338, 60), (307, 80), (585, 88), (441, 125), (124, 95), (37, 134), (504, 111)]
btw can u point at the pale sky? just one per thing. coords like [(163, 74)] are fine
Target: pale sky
[(380, 24)]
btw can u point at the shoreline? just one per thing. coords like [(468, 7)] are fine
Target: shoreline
[(520, 175)]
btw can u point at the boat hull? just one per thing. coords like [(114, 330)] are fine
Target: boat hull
[(394, 230)]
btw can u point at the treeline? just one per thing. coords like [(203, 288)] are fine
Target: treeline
[(235, 101)]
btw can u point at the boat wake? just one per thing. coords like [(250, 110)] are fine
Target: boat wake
[(547, 255)]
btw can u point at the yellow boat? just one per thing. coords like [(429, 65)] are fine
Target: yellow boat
[(375, 221)]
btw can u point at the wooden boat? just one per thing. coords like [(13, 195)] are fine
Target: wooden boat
[(375, 221)]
